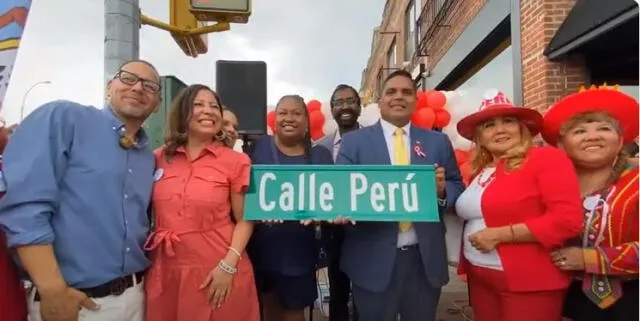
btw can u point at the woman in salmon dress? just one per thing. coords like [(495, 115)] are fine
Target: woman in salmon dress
[(199, 268)]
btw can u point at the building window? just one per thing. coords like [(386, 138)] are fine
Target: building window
[(391, 57), (497, 73), (409, 31)]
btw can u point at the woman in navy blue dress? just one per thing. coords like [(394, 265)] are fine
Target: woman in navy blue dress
[(284, 254)]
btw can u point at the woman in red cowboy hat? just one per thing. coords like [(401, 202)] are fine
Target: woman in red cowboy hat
[(591, 127), (13, 304), (522, 203)]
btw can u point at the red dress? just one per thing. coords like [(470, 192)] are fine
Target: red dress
[(193, 233), (13, 303)]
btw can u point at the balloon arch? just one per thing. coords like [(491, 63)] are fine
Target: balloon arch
[(434, 110)]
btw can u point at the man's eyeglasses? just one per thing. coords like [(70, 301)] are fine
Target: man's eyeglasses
[(131, 79), (348, 101)]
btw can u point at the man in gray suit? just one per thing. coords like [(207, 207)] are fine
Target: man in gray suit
[(399, 268), (345, 108)]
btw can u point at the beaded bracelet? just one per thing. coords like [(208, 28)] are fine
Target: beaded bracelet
[(227, 268)]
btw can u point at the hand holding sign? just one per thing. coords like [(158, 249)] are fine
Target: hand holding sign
[(338, 221), (272, 222), (341, 221), (307, 222), (440, 180)]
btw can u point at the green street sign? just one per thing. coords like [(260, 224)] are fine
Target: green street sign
[(324, 192)]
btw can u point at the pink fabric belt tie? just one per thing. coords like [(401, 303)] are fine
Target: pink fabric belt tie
[(168, 237)]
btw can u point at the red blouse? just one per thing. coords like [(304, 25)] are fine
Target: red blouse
[(544, 194), (13, 305)]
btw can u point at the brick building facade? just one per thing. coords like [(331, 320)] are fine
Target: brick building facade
[(554, 46), (396, 42)]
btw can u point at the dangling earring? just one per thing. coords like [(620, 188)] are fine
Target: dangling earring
[(221, 136), (125, 142)]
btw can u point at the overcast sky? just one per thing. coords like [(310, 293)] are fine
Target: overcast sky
[(309, 46)]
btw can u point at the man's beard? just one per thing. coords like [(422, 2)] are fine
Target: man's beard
[(350, 123)]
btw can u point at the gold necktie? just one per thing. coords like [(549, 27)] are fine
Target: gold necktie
[(401, 157)]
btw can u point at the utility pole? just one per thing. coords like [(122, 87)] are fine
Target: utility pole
[(121, 34)]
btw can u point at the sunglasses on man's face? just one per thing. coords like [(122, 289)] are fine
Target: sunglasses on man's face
[(131, 79)]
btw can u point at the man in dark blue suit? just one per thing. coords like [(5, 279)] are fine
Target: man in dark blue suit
[(399, 268)]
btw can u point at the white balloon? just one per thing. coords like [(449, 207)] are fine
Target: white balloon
[(459, 104), (330, 125), (238, 145), (370, 115)]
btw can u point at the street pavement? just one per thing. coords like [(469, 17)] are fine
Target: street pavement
[(454, 301)]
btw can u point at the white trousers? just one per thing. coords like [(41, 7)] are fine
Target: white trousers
[(129, 306)]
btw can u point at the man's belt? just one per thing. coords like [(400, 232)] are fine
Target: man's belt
[(113, 287)]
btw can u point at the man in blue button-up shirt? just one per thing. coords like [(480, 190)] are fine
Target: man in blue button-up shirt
[(79, 182)]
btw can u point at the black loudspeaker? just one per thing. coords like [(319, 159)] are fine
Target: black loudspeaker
[(242, 86)]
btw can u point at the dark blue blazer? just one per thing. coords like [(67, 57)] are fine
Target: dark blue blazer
[(369, 248), (289, 248)]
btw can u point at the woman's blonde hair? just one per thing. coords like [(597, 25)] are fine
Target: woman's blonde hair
[(513, 158), (622, 160)]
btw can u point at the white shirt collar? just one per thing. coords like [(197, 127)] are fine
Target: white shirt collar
[(389, 129), (337, 138)]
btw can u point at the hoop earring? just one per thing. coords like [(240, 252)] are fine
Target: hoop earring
[(221, 136)]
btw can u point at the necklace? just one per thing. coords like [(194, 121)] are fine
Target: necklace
[(484, 181)]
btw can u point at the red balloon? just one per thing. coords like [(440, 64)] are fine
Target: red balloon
[(436, 99), (422, 100), (317, 133), (465, 172), (316, 119), (442, 118), (462, 156), (271, 120), (314, 105), (424, 118)]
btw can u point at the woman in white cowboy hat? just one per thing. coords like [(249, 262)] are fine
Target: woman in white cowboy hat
[(592, 127), (521, 204)]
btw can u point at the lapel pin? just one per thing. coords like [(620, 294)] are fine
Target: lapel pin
[(417, 148)]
